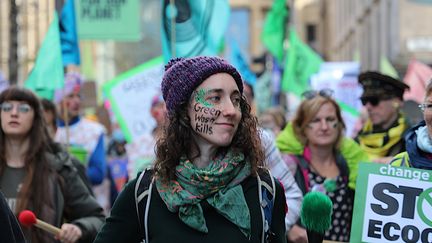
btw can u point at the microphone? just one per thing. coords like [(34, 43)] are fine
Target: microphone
[(315, 215), (28, 218)]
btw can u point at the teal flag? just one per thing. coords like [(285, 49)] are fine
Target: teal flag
[(47, 74), (193, 27), (273, 33), (237, 60), (300, 64), (68, 34)]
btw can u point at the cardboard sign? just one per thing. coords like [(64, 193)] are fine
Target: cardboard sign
[(392, 204)]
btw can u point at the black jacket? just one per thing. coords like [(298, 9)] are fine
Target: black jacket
[(165, 227), (10, 229)]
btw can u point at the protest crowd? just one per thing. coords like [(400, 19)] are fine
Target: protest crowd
[(213, 154)]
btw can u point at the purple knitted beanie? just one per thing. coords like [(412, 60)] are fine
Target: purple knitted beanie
[(183, 75)]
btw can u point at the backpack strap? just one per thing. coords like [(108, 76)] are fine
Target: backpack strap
[(343, 167), (266, 195), (301, 175), (143, 189)]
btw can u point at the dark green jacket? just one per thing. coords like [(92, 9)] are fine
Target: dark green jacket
[(166, 227)]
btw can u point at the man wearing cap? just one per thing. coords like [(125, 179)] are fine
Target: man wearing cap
[(382, 135), (84, 137)]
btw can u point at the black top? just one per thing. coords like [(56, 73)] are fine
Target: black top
[(164, 227)]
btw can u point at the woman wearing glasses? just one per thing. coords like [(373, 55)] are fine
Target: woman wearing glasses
[(31, 177), (418, 142), (321, 158)]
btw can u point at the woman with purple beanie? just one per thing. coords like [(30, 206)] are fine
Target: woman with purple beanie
[(207, 181)]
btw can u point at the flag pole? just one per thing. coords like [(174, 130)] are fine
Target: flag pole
[(173, 33), (66, 120)]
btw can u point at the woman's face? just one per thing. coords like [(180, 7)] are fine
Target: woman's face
[(16, 118), (427, 114), (322, 130), (214, 110)]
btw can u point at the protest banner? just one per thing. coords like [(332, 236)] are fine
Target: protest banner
[(392, 204), (341, 77), (108, 19), (130, 96)]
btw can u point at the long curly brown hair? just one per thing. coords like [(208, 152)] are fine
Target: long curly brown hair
[(176, 140), (33, 193)]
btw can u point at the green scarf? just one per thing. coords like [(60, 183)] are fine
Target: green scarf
[(379, 144), (218, 184)]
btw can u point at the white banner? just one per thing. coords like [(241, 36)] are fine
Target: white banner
[(130, 95)]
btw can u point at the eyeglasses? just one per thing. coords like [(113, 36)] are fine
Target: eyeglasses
[(326, 93), (374, 101), (8, 107), (426, 106)]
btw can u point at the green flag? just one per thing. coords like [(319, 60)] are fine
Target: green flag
[(300, 64), (47, 74), (274, 29), (387, 68)]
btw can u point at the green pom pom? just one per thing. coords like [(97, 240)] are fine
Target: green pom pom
[(330, 185), (316, 212)]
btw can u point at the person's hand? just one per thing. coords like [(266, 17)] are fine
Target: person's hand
[(297, 234), (69, 233)]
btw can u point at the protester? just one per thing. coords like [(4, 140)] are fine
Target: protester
[(280, 170), (418, 140), (293, 194), (10, 229), (85, 137), (32, 177), (321, 158), (50, 117), (207, 166), (141, 151), (273, 120), (382, 135)]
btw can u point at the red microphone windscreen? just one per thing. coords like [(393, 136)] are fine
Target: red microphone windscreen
[(27, 218)]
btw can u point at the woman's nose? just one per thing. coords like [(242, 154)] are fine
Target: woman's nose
[(228, 109), (324, 124), (14, 110)]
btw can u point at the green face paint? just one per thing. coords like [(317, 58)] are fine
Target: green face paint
[(200, 98)]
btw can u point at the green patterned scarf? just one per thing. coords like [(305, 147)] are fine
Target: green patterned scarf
[(218, 183)]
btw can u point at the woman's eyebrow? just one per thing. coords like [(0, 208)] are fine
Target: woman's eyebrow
[(219, 91)]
